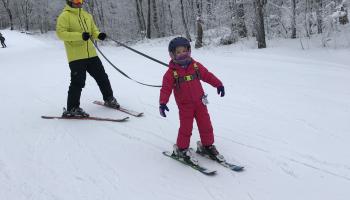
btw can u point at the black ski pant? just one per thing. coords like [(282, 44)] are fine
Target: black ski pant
[(78, 76), (3, 44)]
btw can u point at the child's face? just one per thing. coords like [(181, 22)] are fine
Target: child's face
[(180, 51)]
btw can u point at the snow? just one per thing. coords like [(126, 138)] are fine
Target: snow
[(285, 117)]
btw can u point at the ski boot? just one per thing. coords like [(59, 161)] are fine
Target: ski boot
[(74, 112), (112, 102), (185, 155), (210, 152)]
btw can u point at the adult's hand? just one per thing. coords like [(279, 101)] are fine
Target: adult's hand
[(85, 36)]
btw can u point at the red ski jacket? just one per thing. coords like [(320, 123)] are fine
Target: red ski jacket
[(187, 91)]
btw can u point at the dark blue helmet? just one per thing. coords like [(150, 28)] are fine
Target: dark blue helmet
[(177, 42)]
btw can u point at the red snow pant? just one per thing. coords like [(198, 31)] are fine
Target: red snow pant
[(188, 112)]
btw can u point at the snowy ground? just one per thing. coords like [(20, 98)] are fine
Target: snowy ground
[(285, 118)]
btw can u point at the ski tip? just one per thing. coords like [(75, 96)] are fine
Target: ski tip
[(167, 153), (139, 115), (209, 173), (238, 168), (125, 118), (47, 117)]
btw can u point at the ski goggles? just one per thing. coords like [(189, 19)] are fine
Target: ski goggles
[(77, 1)]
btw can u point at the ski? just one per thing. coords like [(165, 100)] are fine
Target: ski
[(87, 118), (122, 109), (231, 166), (196, 167)]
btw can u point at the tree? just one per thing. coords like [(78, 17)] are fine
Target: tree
[(259, 22), (6, 4), (293, 25), (319, 15), (140, 17), (199, 23), (188, 36), (155, 18), (148, 33), (26, 8)]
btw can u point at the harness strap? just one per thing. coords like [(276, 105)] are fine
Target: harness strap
[(186, 78)]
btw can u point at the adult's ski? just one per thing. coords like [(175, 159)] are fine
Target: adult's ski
[(87, 118), (196, 167), (122, 109), (226, 164)]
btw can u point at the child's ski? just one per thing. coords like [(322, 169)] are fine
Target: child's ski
[(87, 118), (122, 109), (231, 166), (196, 167)]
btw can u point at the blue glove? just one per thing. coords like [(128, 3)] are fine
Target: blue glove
[(162, 109), (221, 91)]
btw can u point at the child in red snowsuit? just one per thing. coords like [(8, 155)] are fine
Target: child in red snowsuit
[(184, 78)]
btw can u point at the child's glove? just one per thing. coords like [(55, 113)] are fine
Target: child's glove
[(221, 91), (162, 109)]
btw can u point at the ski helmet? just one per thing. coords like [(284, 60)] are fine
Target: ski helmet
[(71, 2), (177, 42)]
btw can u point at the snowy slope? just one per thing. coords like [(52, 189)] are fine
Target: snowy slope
[(285, 117)]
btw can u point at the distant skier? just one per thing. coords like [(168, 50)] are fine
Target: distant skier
[(77, 28), (183, 77), (2, 40)]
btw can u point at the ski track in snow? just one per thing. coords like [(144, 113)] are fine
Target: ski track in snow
[(284, 117)]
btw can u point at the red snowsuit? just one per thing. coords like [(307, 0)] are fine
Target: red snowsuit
[(188, 98)]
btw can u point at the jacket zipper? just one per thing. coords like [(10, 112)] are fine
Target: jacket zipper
[(87, 42)]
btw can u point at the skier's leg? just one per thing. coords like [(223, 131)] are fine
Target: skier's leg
[(186, 115), (77, 83), (204, 124), (97, 71)]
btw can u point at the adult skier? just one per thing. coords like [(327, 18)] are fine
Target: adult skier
[(77, 29)]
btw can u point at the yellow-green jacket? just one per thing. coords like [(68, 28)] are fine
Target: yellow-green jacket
[(71, 23)]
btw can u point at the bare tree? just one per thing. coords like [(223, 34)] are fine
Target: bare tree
[(6, 4), (319, 15), (188, 36), (155, 18), (259, 22), (171, 18), (140, 17), (239, 17), (294, 29), (26, 8), (148, 32), (199, 23)]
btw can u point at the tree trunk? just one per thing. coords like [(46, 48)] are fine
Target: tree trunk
[(188, 36), (171, 19), (259, 22), (199, 22), (242, 29), (319, 15), (294, 29), (148, 33), (209, 9), (155, 18), (140, 17), (199, 39)]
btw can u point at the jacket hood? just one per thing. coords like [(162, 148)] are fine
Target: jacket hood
[(73, 10)]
